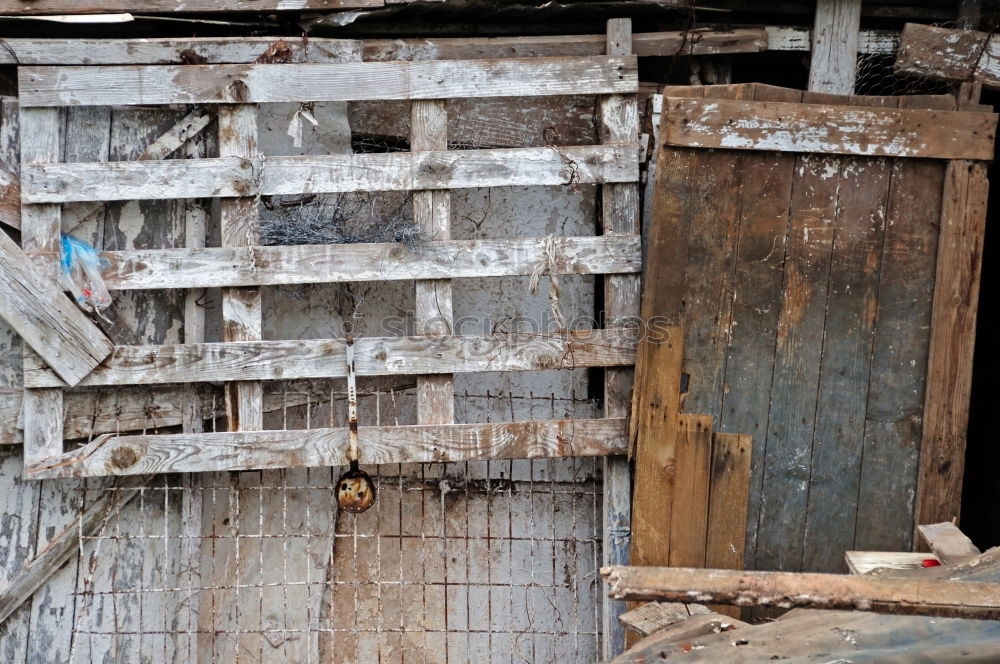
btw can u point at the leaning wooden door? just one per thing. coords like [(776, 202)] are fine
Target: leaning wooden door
[(828, 253)]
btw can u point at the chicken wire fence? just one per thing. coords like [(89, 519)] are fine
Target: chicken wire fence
[(494, 561)]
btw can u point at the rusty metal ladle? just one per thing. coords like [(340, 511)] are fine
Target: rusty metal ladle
[(355, 489)]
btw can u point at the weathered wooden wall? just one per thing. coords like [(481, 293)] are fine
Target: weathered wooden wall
[(809, 282)]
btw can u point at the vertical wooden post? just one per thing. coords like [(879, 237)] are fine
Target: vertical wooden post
[(968, 14), (240, 224), (953, 336), (432, 215), (41, 139), (619, 123), (834, 60)]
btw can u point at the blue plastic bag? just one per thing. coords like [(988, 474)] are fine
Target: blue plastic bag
[(83, 265)]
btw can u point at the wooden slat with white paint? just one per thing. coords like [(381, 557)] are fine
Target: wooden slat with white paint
[(619, 123), (834, 60), (325, 358), (949, 54), (239, 220), (142, 269), (434, 443), (824, 129), (394, 171), (260, 83), (10, 163)]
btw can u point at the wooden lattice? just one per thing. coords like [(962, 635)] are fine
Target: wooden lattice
[(240, 175)]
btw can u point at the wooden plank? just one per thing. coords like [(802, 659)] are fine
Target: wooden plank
[(433, 298), (948, 542), (949, 54), (434, 259), (650, 648), (10, 163), (229, 84), (43, 7), (870, 42), (246, 450), (46, 319), (692, 472), (798, 354), (758, 277), (644, 44), (849, 330), (834, 60), (863, 562), (654, 616), (618, 118), (727, 505), (820, 128), (226, 50), (172, 51), (239, 220), (34, 572), (931, 597), (953, 337), (231, 176), (376, 356)]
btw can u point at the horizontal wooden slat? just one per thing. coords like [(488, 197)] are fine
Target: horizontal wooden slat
[(260, 83), (41, 7), (819, 128), (375, 356), (392, 171), (449, 259), (48, 321), (250, 450), (949, 54), (245, 50)]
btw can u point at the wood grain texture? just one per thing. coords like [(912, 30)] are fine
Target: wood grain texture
[(35, 571), (10, 163), (231, 176), (953, 337), (434, 259), (949, 54), (947, 542), (433, 308), (618, 119), (932, 597), (820, 128), (687, 633), (727, 505), (42, 7), (48, 321), (654, 616), (253, 83), (693, 472), (168, 51), (376, 356), (239, 221), (244, 450), (834, 60)]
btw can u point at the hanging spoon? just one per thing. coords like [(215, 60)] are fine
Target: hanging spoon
[(355, 489)]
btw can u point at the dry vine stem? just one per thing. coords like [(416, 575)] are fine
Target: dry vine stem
[(927, 597)]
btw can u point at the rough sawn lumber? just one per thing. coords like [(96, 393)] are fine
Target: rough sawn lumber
[(930, 597), (949, 54)]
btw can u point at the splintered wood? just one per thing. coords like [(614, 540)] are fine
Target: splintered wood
[(239, 175)]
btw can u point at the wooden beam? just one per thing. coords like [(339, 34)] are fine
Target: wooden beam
[(239, 220), (870, 42), (237, 84), (948, 54), (930, 597), (618, 117), (247, 450), (43, 7), (25, 581), (144, 269), (947, 542), (824, 129), (230, 176), (48, 321), (834, 60), (325, 358), (953, 337), (433, 308), (10, 163), (863, 562)]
